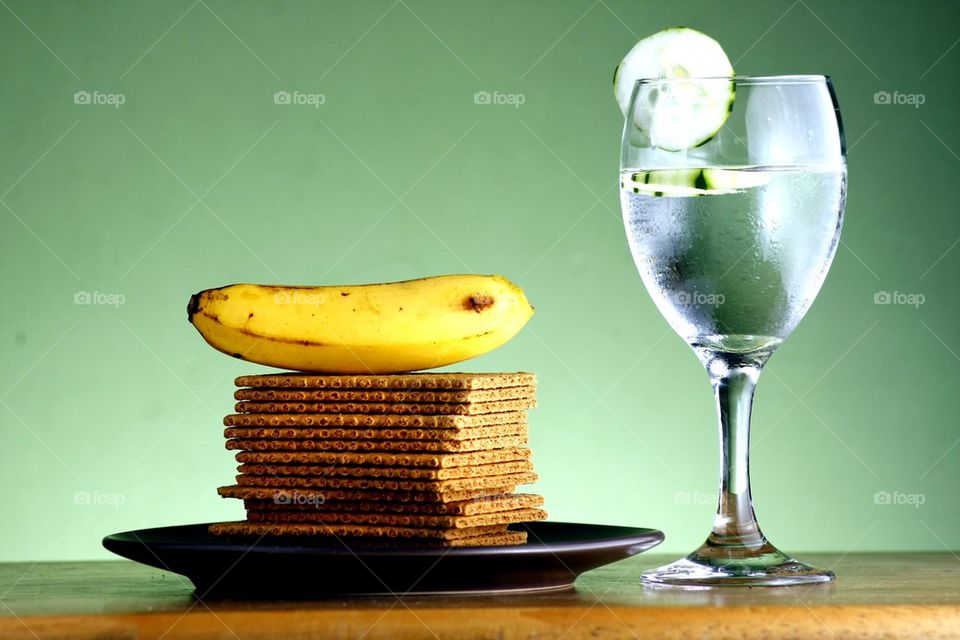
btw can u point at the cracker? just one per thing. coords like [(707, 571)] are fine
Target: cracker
[(455, 381), (395, 408), (504, 538), (373, 420), (471, 507), (405, 473), (384, 395), (387, 459), (413, 446), (399, 519), (318, 496), (380, 433), (491, 483), (495, 539), (357, 530)]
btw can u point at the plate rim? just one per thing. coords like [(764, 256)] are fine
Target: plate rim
[(643, 538)]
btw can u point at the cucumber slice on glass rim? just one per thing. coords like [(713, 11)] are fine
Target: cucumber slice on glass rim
[(686, 183), (677, 115)]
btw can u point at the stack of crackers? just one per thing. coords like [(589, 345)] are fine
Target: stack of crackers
[(428, 457)]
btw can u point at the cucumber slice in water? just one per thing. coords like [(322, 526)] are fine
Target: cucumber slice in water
[(686, 183), (682, 115)]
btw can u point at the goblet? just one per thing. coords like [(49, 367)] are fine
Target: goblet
[(733, 239)]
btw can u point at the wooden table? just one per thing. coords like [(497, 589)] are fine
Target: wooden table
[(876, 595)]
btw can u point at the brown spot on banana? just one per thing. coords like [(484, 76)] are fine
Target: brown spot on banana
[(479, 335), (210, 316), (478, 302), (259, 337)]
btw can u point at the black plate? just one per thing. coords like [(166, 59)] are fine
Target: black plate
[(554, 555)]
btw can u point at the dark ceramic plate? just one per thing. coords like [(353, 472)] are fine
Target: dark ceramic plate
[(554, 555)]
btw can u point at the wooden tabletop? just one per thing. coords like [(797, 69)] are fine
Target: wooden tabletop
[(875, 595)]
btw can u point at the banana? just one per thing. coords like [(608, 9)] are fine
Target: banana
[(375, 328)]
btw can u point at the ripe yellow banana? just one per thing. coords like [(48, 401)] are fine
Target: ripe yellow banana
[(376, 328)]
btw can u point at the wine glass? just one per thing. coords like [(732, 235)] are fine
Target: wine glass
[(733, 237)]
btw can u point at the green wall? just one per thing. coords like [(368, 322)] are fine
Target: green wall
[(198, 179)]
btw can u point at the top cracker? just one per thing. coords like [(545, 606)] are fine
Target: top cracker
[(394, 381)]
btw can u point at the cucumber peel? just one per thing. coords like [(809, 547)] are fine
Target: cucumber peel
[(686, 183)]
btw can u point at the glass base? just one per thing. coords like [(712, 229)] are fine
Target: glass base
[(763, 567)]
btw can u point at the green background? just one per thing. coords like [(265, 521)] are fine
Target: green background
[(111, 416)]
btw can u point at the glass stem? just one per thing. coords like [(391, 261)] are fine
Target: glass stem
[(734, 378), (735, 552)]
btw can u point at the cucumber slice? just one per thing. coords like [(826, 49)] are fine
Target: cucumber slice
[(686, 183), (679, 115)]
